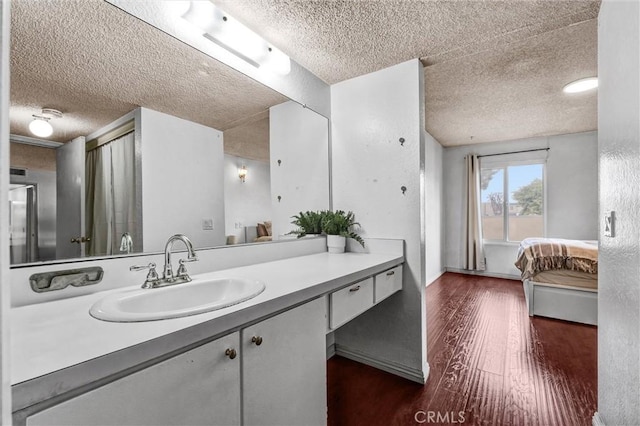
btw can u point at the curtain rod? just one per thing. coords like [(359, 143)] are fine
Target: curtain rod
[(515, 152)]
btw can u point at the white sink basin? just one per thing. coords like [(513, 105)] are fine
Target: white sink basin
[(179, 300)]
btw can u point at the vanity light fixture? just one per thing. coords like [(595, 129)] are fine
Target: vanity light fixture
[(40, 125), (581, 85), (242, 173), (227, 32)]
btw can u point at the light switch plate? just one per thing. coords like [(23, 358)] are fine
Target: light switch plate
[(609, 224), (207, 224)]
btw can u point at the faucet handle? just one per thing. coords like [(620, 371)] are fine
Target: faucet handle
[(182, 269), (152, 277)]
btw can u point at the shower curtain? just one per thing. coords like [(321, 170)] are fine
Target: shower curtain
[(110, 195)]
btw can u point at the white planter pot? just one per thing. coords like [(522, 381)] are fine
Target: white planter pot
[(336, 243)]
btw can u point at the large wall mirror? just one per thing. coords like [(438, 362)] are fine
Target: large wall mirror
[(149, 137)]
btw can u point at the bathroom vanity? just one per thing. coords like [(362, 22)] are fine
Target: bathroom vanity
[(262, 361)]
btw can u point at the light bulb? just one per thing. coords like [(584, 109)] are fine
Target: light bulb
[(41, 127)]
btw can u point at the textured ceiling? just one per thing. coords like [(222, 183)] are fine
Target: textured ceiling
[(249, 138), (514, 91), (494, 69), (95, 63)]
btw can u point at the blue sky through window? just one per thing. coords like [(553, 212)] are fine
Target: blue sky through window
[(519, 176)]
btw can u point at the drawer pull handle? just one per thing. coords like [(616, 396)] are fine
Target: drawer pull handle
[(356, 288), (257, 340), (390, 273), (231, 353)]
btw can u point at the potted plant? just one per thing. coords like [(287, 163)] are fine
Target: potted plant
[(338, 226), (308, 223)]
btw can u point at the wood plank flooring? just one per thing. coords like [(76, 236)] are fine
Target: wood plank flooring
[(491, 364)]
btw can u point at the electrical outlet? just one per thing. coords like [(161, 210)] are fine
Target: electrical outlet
[(207, 224)]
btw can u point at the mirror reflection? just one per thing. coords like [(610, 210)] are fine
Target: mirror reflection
[(149, 137)]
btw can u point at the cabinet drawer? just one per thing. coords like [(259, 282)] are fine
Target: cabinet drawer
[(387, 283), (350, 302)]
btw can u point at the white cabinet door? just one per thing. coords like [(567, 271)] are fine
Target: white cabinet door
[(284, 368), (199, 387)]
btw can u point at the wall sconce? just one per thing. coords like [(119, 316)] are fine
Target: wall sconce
[(227, 32), (242, 173), (40, 125)]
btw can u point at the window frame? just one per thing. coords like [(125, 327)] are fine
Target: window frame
[(504, 166)]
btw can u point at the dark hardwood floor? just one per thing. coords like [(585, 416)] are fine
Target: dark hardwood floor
[(491, 364)]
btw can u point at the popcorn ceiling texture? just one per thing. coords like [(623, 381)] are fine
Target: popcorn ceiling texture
[(494, 69), (515, 91), (95, 63), (32, 157), (249, 139)]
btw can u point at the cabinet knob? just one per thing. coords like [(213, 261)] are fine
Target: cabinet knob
[(356, 288), (390, 273), (231, 353), (257, 340)]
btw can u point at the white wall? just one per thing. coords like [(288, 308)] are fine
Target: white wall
[(434, 216), (619, 257), (182, 181), (249, 202), (572, 195), (299, 138), (369, 115)]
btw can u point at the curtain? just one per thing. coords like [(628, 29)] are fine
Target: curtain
[(124, 188), (110, 195), (474, 259)]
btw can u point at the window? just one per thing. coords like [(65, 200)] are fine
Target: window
[(512, 199)]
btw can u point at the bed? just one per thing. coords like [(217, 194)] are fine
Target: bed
[(560, 278)]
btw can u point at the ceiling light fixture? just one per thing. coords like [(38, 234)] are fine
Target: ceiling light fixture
[(40, 125), (227, 32), (581, 85)]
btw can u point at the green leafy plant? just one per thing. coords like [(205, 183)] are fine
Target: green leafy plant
[(308, 223), (530, 197), (341, 223)]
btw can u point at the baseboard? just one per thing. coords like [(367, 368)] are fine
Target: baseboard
[(597, 420), (384, 365), (435, 277), (331, 351), (484, 274)]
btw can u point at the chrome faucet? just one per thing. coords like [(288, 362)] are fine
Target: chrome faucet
[(154, 281), (182, 270)]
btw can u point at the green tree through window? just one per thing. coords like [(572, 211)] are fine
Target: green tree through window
[(529, 197)]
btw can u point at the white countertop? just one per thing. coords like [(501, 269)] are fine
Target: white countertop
[(57, 346)]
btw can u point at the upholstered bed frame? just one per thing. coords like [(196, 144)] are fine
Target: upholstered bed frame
[(560, 278), (561, 302)]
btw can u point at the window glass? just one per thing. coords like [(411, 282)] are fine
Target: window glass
[(526, 198), (522, 214), (492, 196)]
